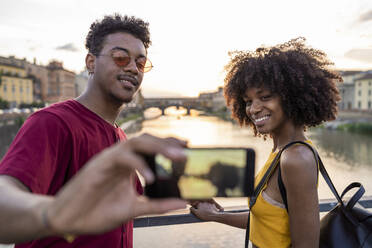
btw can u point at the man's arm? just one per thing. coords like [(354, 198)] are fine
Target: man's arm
[(99, 198), (20, 212)]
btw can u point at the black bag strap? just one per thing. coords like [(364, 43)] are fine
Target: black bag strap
[(322, 169), (283, 191), (257, 190), (357, 195)]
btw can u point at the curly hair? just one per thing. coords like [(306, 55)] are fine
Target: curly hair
[(300, 75), (116, 23)]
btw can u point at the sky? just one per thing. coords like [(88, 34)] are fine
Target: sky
[(190, 39)]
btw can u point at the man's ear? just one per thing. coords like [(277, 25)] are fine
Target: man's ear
[(90, 62)]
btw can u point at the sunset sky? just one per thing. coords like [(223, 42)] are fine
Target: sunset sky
[(191, 38)]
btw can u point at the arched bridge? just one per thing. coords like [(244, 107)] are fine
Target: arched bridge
[(186, 102)]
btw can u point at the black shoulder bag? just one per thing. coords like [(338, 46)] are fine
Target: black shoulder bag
[(347, 224)]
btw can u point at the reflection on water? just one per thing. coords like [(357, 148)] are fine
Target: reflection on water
[(348, 147)]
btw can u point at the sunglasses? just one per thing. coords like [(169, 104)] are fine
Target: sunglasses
[(122, 59)]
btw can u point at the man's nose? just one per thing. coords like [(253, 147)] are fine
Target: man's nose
[(131, 67)]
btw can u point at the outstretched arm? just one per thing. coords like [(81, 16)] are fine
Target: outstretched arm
[(211, 211), (97, 199)]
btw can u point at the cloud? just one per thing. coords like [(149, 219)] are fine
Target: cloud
[(68, 47), (363, 55), (366, 16)]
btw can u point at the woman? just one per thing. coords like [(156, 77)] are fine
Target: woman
[(280, 91)]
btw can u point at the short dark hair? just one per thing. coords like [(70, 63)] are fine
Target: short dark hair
[(298, 74), (113, 24)]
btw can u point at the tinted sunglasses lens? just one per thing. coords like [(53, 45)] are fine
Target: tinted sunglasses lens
[(121, 60)]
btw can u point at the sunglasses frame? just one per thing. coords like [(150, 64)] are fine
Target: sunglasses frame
[(145, 68)]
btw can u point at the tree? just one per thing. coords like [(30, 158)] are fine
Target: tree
[(4, 104)]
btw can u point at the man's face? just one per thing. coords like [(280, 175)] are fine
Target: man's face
[(116, 83)]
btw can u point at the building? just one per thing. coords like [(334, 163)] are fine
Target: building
[(346, 89), (206, 99), (363, 92), (61, 83), (39, 74), (213, 100), (50, 83), (218, 100), (16, 86)]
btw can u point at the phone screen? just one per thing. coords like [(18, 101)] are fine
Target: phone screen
[(208, 172)]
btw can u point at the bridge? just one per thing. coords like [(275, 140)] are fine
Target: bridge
[(186, 102)]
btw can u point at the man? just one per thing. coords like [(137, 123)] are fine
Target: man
[(66, 181)]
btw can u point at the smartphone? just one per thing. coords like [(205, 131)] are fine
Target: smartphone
[(208, 173)]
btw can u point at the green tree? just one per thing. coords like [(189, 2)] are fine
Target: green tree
[(4, 104)]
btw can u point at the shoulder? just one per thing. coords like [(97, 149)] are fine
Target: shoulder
[(298, 164), (63, 112), (50, 119)]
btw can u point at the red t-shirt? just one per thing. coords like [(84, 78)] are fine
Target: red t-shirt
[(51, 146)]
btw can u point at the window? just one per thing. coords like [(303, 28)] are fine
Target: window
[(359, 92), (369, 104), (13, 88), (359, 104), (21, 89), (369, 92), (4, 88), (359, 84), (369, 83)]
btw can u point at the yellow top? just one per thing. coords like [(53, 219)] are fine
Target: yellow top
[(269, 224)]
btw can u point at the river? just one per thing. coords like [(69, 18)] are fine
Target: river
[(346, 156)]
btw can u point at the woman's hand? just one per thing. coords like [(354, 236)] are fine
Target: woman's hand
[(206, 210)]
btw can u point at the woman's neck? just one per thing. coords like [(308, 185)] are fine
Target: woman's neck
[(288, 134)]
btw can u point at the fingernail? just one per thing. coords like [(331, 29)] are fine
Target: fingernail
[(149, 176)]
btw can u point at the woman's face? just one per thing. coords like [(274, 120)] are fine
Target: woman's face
[(265, 110)]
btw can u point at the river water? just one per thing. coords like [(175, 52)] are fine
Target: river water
[(346, 156)]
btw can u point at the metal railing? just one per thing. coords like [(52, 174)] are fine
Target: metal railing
[(184, 217)]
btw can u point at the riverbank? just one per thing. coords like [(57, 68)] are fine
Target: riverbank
[(352, 121)]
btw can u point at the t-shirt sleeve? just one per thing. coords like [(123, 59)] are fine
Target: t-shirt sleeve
[(37, 152)]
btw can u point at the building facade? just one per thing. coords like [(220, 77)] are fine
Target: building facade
[(50, 84), (214, 101), (61, 83), (16, 86), (39, 74), (363, 92)]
